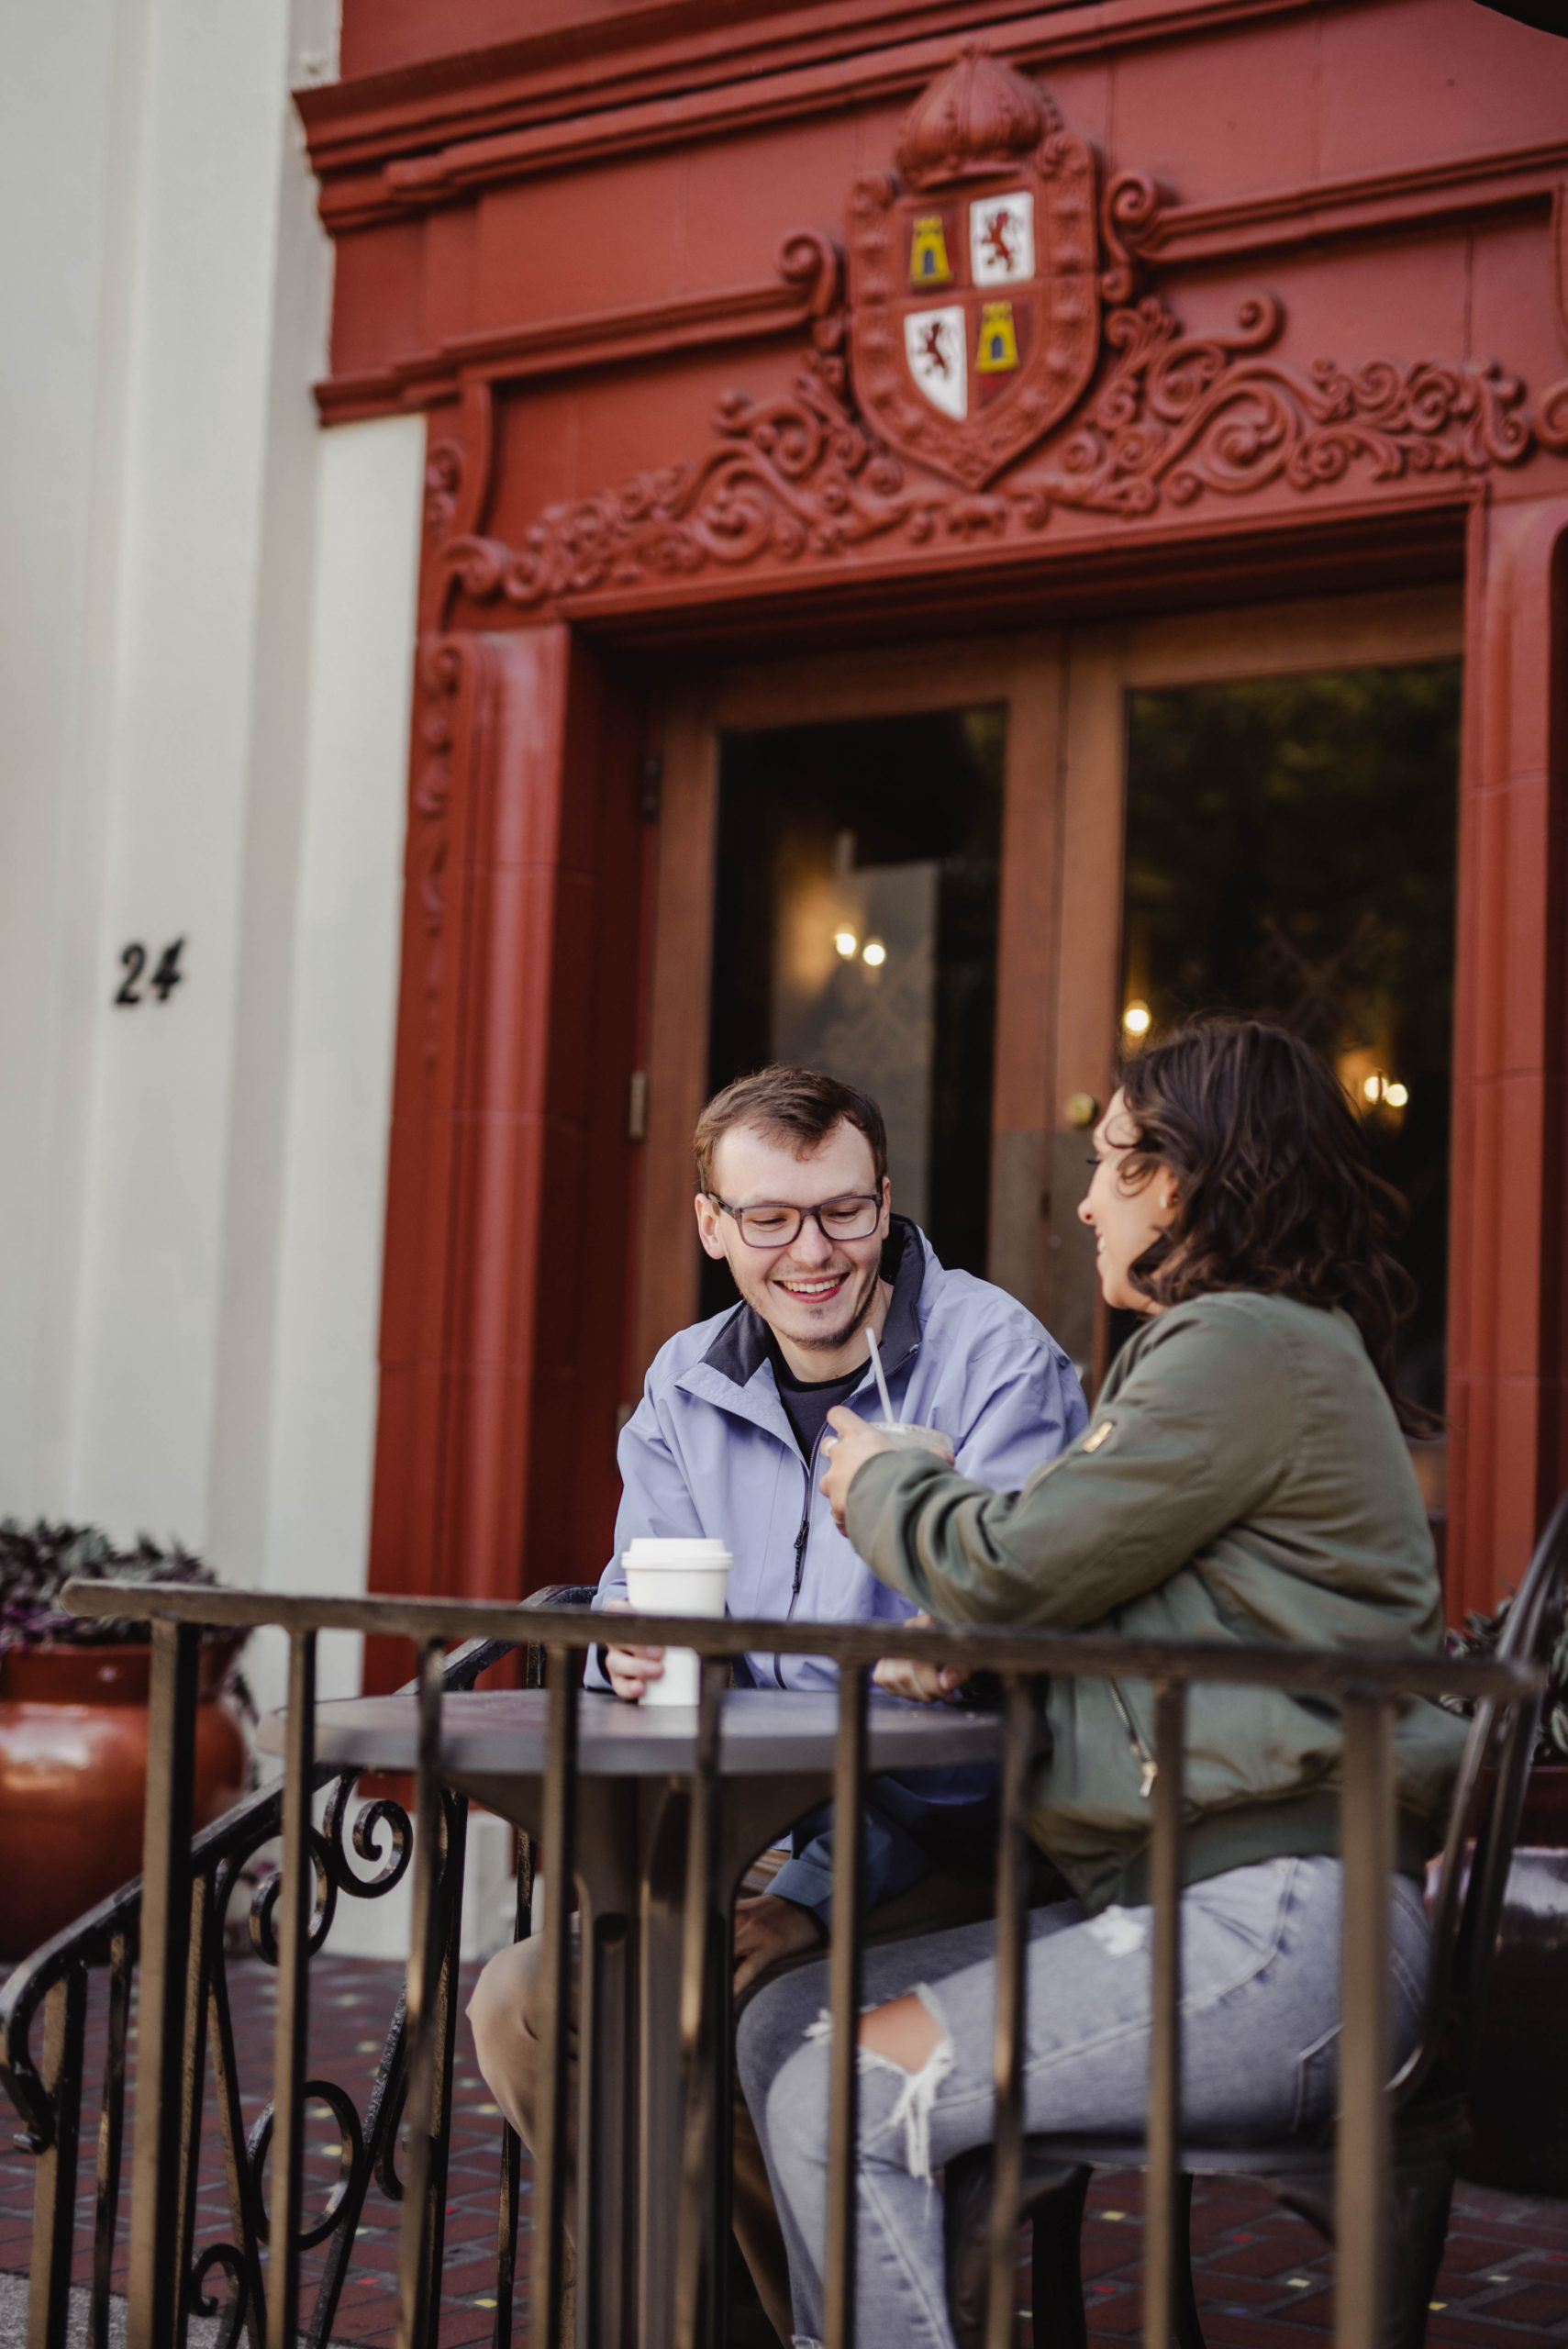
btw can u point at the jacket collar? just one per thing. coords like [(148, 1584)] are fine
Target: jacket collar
[(741, 1349)]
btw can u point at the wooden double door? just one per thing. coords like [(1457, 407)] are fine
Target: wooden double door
[(1040, 841)]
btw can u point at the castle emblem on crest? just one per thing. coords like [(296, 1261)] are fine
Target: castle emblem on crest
[(974, 287)]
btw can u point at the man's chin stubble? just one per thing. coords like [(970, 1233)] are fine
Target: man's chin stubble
[(831, 1342)]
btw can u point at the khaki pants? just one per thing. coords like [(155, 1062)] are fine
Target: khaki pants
[(504, 2014)]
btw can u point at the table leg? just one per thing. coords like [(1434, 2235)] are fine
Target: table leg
[(631, 1849)]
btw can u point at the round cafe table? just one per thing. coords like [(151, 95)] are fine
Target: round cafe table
[(634, 1763)]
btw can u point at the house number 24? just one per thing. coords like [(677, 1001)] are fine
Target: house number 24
[(164, 979)]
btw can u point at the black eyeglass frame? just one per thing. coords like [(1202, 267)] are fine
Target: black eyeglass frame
[(758, 1206)]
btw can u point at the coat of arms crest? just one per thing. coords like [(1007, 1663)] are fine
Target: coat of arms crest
[(973, 274)]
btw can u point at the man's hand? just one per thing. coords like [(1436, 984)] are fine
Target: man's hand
[(767, 1928), (632, 1669), (852, 1444), (926, 1684)]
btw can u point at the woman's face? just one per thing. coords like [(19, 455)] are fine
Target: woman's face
[(1126, 1214)]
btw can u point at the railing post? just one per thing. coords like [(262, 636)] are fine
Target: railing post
[(1362, 2182), (157, 2286), (844, 2004), (1163, 2214), (547, 2250), (415, 2281), (511, 2143), (111, 2133), (296, 1900), (1012, 1922), (697, 2250), (54, 2196)]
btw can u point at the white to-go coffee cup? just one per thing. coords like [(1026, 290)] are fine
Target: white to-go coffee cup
[(911, 1436), (682, 1576)]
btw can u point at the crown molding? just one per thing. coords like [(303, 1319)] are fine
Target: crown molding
[(389, 147), (1190, 236)]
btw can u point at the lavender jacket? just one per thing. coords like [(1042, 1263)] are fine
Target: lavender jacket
[(709, 1450)]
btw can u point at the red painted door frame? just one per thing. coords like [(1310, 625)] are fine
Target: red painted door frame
[(503, 1319), (1508, 1304)]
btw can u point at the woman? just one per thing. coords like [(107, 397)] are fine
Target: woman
[(1243, 1478)]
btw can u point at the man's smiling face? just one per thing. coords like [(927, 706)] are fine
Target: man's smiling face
[(815, 1293)]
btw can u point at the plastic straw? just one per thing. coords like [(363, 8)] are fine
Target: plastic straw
[(881, 1381)]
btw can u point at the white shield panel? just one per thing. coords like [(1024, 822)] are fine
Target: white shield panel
[(1001, 238), (934, 345)]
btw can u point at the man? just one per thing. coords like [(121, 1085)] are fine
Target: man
[(794, 1193)]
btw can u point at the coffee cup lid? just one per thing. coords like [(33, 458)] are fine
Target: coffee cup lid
[(689, 1550)]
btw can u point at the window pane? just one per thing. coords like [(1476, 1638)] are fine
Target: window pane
[(1291, 855), (855, 931)]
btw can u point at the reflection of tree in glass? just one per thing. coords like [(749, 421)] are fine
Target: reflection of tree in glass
[(1286, 828), (1290, 854)]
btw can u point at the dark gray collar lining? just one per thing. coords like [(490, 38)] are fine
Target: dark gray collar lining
[(741, 1349)]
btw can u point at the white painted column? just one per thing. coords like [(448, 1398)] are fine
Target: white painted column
[(206, 611)]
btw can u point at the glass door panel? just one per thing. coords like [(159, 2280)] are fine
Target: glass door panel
[(855, 931), (1291, 855)]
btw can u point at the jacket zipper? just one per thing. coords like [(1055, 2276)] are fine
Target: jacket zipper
[(1148, 1767), (802, 1534)]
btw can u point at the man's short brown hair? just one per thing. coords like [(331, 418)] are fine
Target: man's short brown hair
[(797, 1107)]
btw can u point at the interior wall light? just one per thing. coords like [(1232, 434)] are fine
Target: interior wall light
[(874, 952), (846, 942), (1397, 1095), (1137, 1019), (1372, 1087)]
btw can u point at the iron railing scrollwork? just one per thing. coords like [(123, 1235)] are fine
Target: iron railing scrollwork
[(359, 1851)]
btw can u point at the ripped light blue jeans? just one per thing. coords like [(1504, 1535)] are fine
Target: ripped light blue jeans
[(1260, 2027)]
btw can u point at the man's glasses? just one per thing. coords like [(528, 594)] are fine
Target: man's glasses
[(770, 1225)]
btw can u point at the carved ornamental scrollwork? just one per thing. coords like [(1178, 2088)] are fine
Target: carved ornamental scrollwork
[(1170, 417), (439, 674)]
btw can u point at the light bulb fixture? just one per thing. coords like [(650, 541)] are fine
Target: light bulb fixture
[(1136, 1019), (1397, 1095), (874, 952), (1372, 1087), (846, 942)]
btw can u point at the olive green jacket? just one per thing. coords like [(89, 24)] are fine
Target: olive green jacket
[(1242, 1477)]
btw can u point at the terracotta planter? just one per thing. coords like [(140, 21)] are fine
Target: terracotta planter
[(74, 1778), (1519, 2109)]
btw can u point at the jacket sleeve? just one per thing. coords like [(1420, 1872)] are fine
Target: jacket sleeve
[(655, 1499), (1029, 1407), (895, 1859), (1193, 1440)]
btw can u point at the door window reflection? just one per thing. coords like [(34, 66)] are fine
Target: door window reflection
[(1291, 855), (855, 931)]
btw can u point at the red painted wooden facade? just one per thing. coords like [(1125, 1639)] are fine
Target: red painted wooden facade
[(601, 246)]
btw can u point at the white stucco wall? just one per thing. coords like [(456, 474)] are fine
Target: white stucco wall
[(206, 635)]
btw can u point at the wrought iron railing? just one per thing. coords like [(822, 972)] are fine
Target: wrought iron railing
[(182, 1986), (50, 2090)]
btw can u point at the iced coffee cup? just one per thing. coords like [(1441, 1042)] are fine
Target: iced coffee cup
[(911, 1436), (676, 1576)]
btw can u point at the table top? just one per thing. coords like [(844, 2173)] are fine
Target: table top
[(763, 1733)]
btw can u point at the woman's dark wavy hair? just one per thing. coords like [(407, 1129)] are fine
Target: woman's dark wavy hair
[(1273, 1187)]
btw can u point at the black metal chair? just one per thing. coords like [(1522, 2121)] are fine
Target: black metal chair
[(1429, 2126)]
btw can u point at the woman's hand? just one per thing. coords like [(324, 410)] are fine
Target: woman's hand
[(851, 1444), (770, 1927), (924, 1683), (632, 1669)]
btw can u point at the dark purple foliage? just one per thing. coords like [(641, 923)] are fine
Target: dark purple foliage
[(38, 1561)]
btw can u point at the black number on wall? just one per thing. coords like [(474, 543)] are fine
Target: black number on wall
[(135, 961), (164, 979), (168, 975)]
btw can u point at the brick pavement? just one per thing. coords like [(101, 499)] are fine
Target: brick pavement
[(1263, 2277)]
